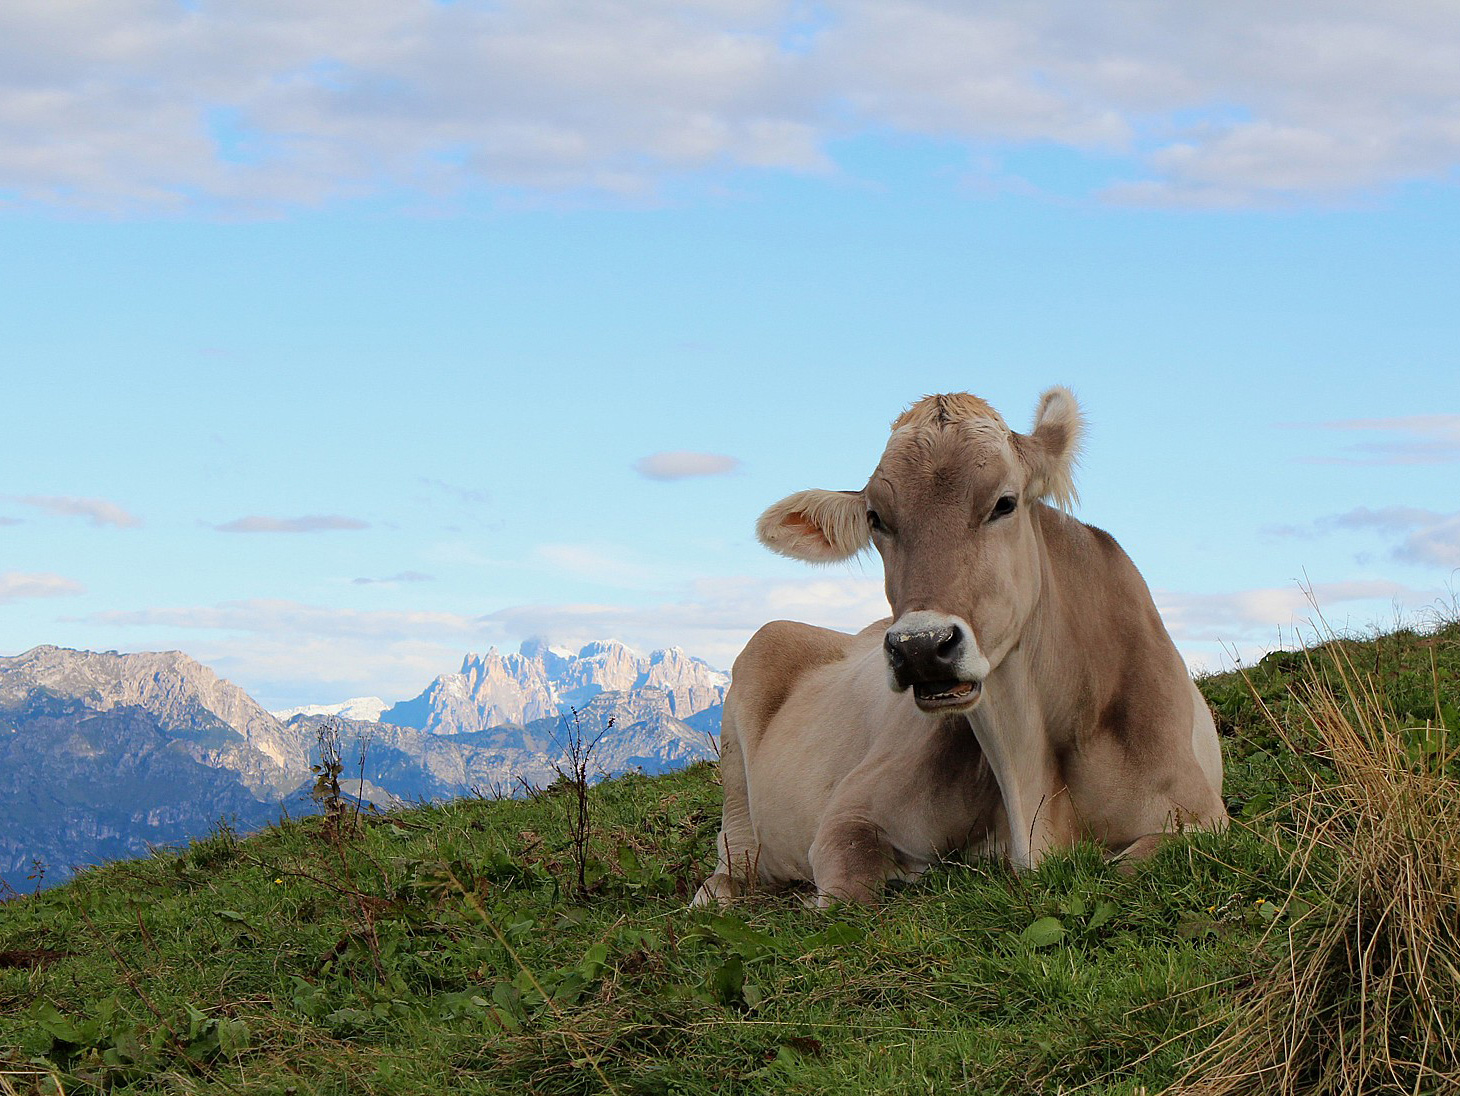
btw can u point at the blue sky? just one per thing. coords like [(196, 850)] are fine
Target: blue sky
[(339, 340)]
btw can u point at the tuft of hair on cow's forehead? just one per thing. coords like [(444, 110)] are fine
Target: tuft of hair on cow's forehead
[(944, 410), (946, 434)]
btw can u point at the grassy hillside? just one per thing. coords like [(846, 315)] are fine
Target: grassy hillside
[(1310, 948)]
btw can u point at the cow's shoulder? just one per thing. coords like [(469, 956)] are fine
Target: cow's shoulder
[(1105, 573), (1139, 689), (1077, 541), (777, 657)]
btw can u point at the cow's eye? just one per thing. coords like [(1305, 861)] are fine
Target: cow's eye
[(874, 521), (1004, 506)]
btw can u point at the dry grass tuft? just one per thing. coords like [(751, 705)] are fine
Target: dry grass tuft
[(1366, 995)]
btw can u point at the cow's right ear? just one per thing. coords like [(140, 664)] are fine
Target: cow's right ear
[(816, 526)]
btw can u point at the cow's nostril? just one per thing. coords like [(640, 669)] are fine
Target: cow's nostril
[(895, 656), (948, 645)]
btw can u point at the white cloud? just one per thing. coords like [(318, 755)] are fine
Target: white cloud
[(285, 653), (1436, 543), (396, 579), (285, 671), (1211, 628), (224, 106), (599, 563), (1244, 615), (1429, 538), (1425, 537), (713, 619), (309, 523), (1411, 439), (15, 585), (98, 511), (470, 496), (292, 618), (682, 464)]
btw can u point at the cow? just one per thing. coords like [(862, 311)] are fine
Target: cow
[(1023, 695)]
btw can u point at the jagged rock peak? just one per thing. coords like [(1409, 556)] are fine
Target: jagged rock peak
[(540, 680)]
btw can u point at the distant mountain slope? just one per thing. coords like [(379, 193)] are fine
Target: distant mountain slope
[(184, 698), (103, 754), (84, 787), (539, 682)]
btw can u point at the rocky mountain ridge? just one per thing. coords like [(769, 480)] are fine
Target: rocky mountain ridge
[(539, 682), (625, 732)]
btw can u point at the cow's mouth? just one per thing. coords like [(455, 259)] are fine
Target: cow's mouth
[(937, 696)]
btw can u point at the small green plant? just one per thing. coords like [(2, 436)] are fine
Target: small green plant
[(574, 772), (326, 791)]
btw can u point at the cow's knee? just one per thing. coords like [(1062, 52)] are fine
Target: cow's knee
[(850, 862)]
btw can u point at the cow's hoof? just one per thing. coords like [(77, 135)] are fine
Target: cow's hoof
[(845, 894), (718, 890), (1127, 860)]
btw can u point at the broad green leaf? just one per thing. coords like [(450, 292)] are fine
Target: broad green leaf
[(236, 918), (727, 981), (593, 962), (835, 935), (746, 940), (628, 860), (1044, 932), (51, 1020), (233, 1037)]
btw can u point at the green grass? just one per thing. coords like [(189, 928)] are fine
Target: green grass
[(447, 947)]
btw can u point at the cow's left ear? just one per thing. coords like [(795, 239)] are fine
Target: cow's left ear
[(1052, 448), (817, 526)]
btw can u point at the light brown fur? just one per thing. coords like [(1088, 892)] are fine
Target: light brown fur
[(831, 778)]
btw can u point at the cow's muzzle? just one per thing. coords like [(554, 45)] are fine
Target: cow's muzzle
[(936, 656)]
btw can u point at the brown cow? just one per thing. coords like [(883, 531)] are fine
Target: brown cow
[(1035, 696)]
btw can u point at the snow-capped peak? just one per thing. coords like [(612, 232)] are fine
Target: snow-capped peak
[(367, 708)]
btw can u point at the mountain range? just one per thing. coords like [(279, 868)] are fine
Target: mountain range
[(105, 755)]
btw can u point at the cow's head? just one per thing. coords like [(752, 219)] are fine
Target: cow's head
[(949, 508)]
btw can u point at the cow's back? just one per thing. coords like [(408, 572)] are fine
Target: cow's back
[(781, 656)]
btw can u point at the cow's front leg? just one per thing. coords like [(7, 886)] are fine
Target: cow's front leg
[(1036, 800), (851, 859), (1041, 819)]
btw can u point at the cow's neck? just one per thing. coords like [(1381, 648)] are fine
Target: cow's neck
[(1055, 650), (1038, 697)]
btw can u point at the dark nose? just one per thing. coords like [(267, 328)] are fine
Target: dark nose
[(925, 654)]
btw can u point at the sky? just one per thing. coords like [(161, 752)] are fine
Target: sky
[(340, 338)]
